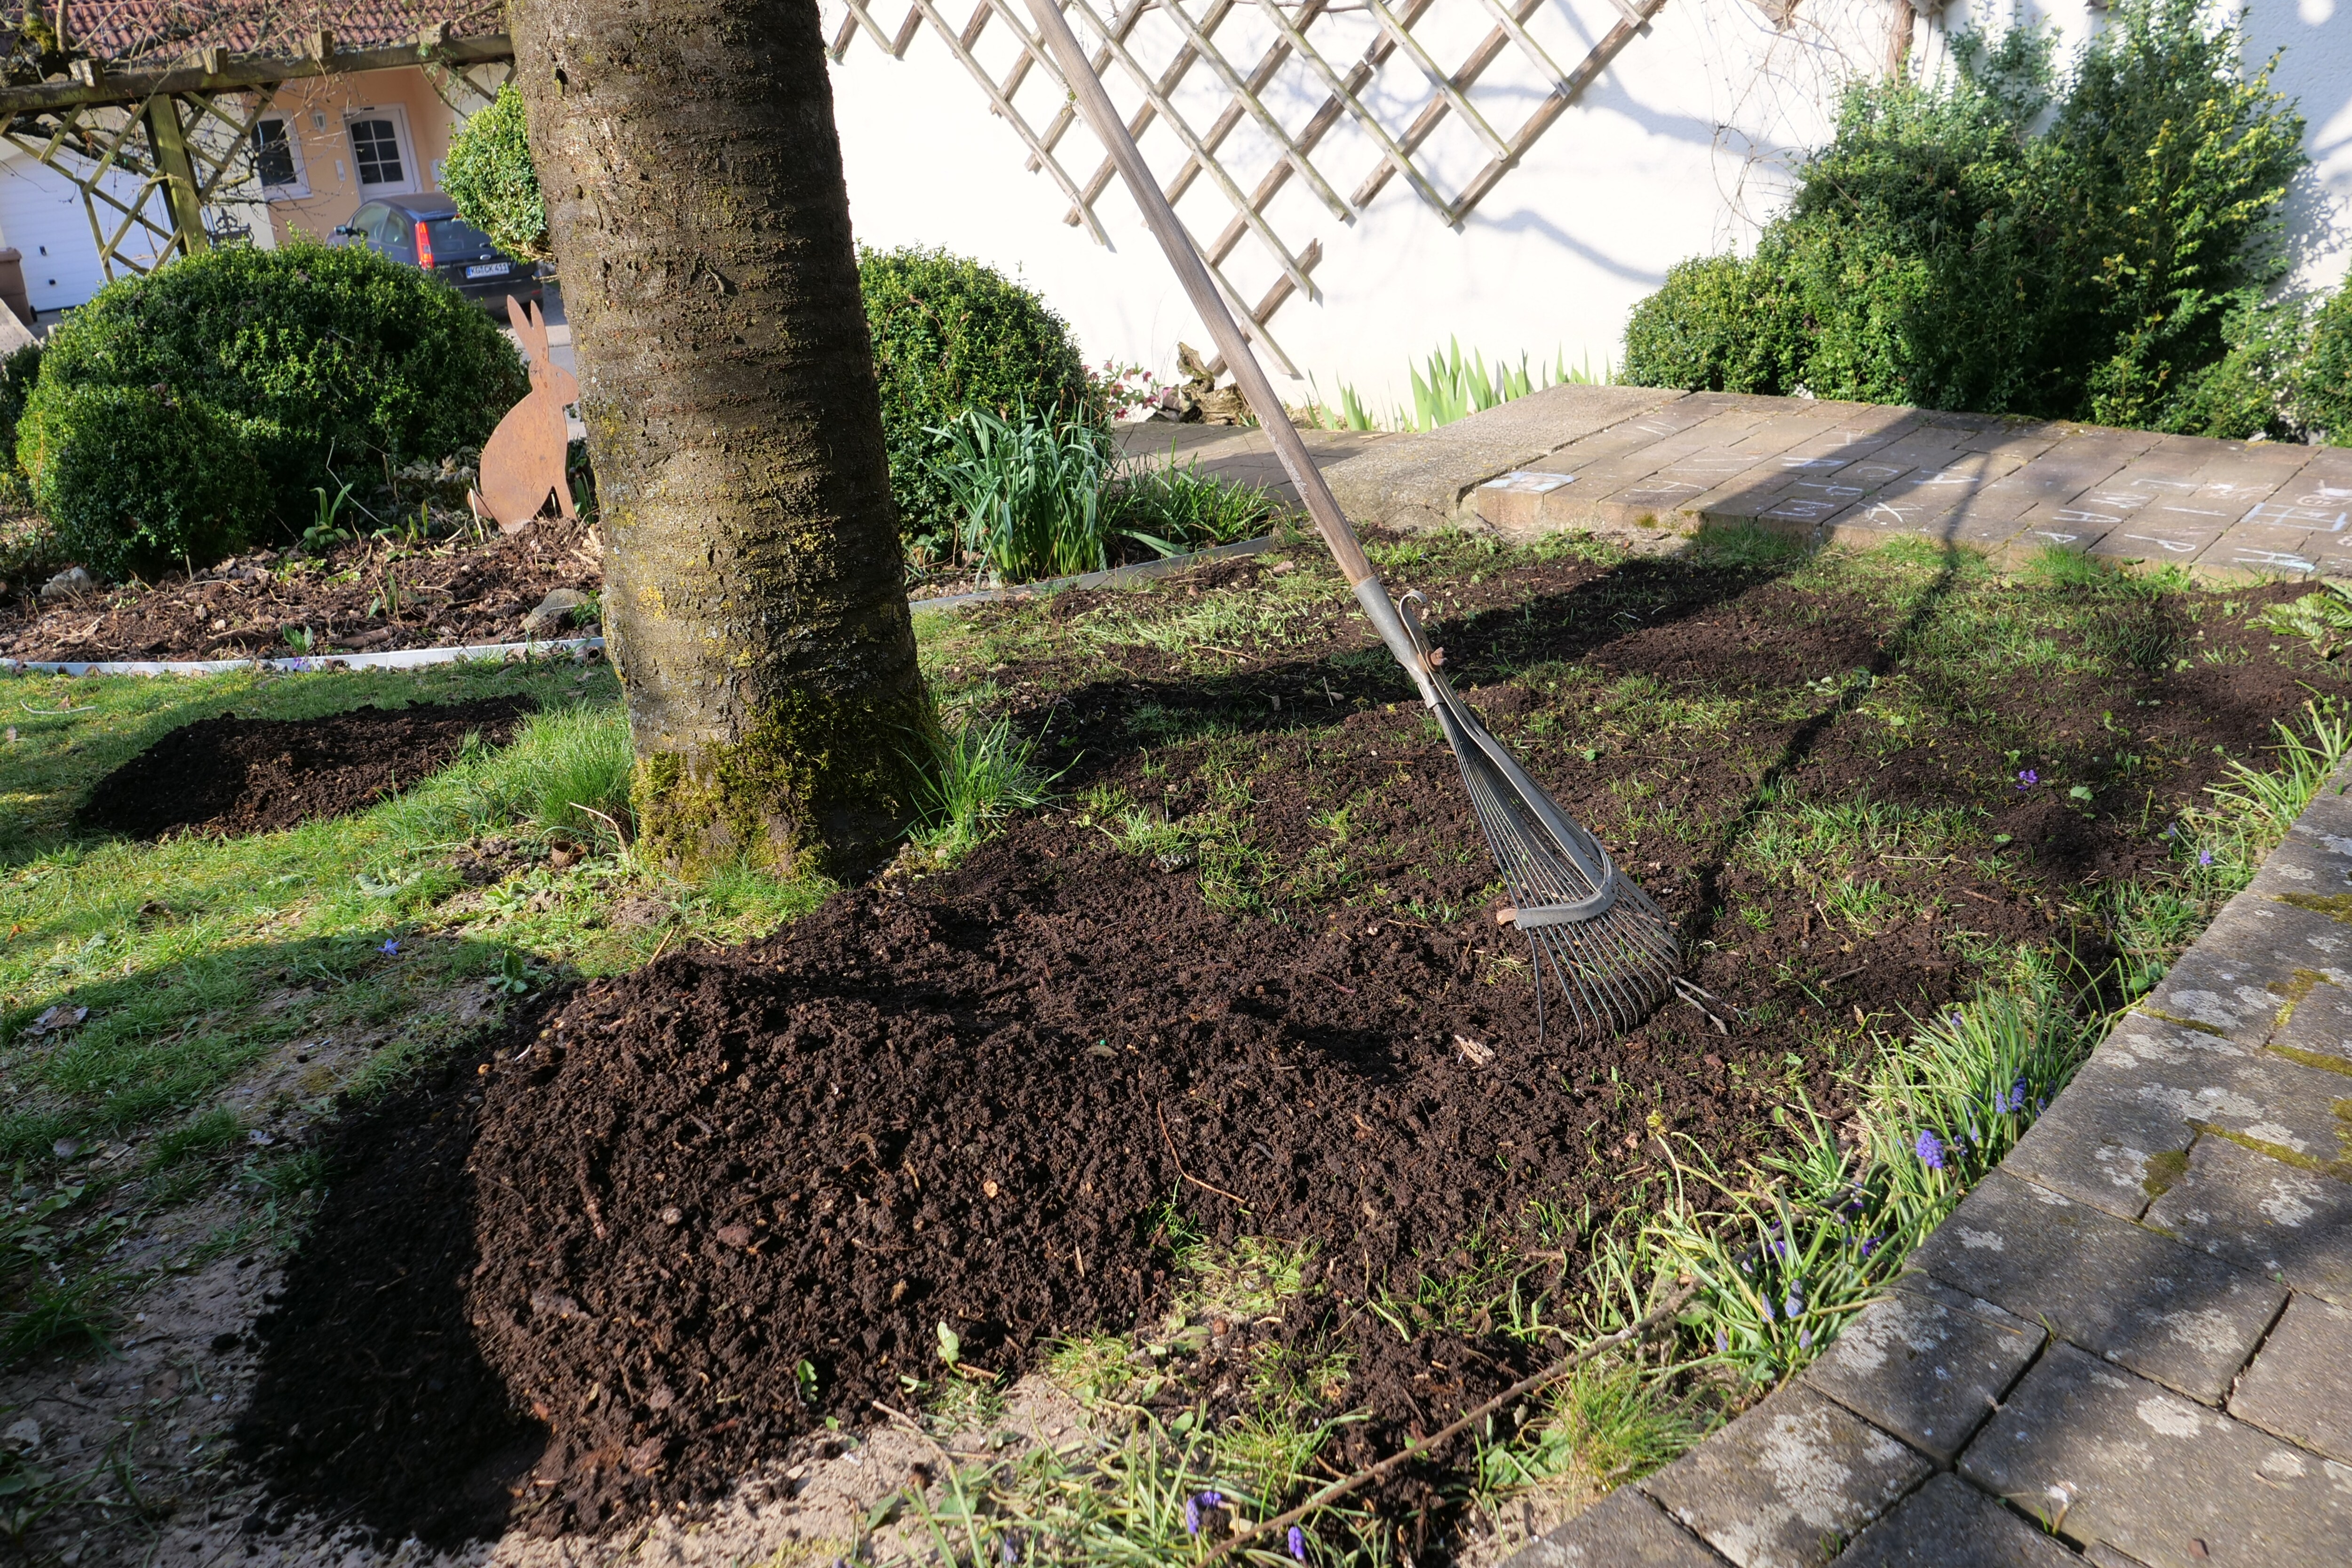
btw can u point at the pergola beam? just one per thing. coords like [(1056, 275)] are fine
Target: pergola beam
[(233, 73)]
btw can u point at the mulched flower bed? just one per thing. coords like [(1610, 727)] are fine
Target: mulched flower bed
[(230, 776), (453, 593), (688, 1214)]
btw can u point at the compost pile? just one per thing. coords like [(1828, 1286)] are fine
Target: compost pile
[(229, 775)]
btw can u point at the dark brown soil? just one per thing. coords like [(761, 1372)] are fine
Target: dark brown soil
[(230, 776), (449, 594), (995, 1099)]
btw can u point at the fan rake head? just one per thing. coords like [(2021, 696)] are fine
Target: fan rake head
[(1612, 952)]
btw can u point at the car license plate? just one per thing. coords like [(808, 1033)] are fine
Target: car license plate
[(493, 270)]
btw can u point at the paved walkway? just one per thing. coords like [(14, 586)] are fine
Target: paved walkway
[(1236, 454), (1857, 474), (2133, 1339), (1635, 461)]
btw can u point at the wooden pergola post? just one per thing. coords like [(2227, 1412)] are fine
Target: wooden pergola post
[(181, 193)]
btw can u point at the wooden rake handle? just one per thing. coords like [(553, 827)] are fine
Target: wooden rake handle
[(1095, 103)]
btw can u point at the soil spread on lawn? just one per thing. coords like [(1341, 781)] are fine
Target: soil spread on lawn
[(231, 776), (708, 1205), (370, 595)]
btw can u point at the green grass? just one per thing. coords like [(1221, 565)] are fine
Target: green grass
[(981, 773), (210, 967)]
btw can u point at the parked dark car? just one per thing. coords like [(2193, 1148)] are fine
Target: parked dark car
[(425, 231)]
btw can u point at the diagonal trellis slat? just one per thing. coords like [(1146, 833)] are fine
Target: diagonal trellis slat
[(1190, 41)]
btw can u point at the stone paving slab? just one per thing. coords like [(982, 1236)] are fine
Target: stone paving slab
[(2262, 1216), (1624, 1530), (2319, 1031), (2299, 1386), (2103, 1456), (1921, 1365), (2165, 1310), (1789, 1483), (1423, 481), (1948, 1524)]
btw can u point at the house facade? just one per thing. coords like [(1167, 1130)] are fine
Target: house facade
[(366, 102)]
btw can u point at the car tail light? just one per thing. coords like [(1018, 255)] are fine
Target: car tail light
[(423, 246)]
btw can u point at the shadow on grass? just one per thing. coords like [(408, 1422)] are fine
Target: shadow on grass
[(1106, 719), (372, 1407)]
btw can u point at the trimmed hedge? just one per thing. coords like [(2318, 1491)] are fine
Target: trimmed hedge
[(489, 175), (2101, 245), (951, 334), (134, 479), (2323, 390), (313, 356)]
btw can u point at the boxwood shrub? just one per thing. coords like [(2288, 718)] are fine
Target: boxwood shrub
[(951, 334), (312, 358), (139, 479)]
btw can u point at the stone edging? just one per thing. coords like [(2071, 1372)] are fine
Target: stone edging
[(1115, 577), (2147, 1299), (398, 658)]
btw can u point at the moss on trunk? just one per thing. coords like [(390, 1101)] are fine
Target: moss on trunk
[(755, 591)]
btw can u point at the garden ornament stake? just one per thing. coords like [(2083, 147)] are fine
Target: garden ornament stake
[(1612, 950)]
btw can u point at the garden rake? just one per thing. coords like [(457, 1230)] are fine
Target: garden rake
[(1612, 950)]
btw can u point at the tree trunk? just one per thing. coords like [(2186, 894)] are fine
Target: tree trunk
[(754, 590)]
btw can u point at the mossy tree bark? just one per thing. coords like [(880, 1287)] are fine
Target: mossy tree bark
[(754, 591)]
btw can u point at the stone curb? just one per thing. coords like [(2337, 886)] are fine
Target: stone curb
[(2134, 1338)]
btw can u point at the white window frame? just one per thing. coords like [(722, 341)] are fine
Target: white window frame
[(300, 189), (409, 171)]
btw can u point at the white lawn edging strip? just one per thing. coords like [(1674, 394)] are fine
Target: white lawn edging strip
[(579, 648), (399, 659)]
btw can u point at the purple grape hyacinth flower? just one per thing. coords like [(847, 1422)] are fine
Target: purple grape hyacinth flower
[(1804, 1339), (1197, 1505), (1767, 1308), (1297, 1543), (1722, 1341), (1930, 1150), (2204, 857), (1793, 1306), (2027, 778)]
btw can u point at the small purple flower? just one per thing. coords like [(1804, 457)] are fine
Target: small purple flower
[(1198, 1504), (1804, 1339), (1930, 1150), (1869, 1245), (1793, 1306), (1956, 1020), (2026, 779), (391, 944), (1768, 1310), (2204, 857), (1297, 1543), (1722, 1341)]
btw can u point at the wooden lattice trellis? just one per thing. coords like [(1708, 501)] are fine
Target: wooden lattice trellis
[(1242, 96), (154, 177)]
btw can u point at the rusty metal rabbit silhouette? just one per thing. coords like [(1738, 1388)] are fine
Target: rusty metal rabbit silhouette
[(523, 459)]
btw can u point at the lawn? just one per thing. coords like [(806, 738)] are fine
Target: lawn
[(1925, 825)]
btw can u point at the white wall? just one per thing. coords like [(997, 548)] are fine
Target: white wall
[(42, 216), (1683, 145)]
